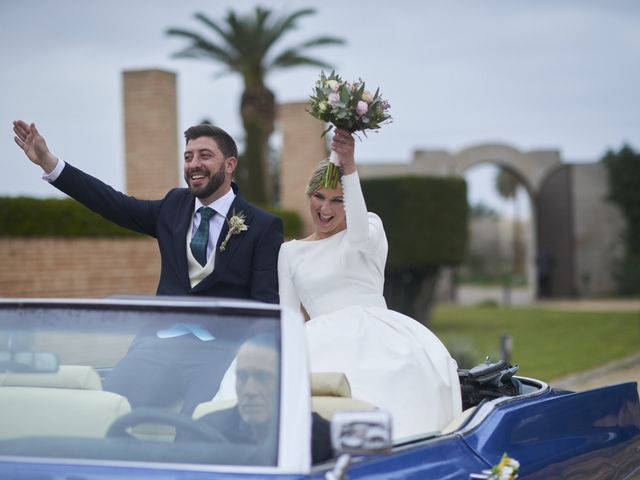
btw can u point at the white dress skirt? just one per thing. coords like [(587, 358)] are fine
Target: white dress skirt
[(390, 360)]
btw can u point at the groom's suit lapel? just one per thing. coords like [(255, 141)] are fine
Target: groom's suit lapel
[(183, 221)]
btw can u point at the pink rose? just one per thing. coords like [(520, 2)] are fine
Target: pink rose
[(362, 108), (333, 98)]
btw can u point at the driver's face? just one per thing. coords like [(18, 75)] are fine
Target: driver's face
[(256, 383)]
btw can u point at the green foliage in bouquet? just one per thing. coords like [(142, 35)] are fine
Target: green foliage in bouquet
[(349, 106)]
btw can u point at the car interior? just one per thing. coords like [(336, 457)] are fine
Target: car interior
[(71, 402), (58, 407)]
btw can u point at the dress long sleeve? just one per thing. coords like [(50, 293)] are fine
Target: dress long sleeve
[(364, 229), (288, 295)]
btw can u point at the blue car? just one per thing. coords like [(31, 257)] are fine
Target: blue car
[(267, 417)]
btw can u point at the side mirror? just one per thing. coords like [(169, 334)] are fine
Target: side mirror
[(361, 432), (25, 361)]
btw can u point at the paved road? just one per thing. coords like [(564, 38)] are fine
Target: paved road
[(620, 371), (629, 305)]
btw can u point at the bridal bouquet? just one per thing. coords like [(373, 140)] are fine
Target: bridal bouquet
[(346, 105)]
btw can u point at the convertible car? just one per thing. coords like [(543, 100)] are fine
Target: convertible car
[(59, 421)]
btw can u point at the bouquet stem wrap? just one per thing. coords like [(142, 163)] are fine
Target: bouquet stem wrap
[(332, 175)]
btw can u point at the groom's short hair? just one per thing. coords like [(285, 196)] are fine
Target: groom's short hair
[(225, 142)]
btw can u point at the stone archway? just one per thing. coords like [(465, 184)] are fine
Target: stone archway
[(531, 168), (501, 263)]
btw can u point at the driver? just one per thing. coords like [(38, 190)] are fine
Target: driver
[(254, 417)]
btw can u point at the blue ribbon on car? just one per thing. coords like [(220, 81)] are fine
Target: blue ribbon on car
[(181, 329)]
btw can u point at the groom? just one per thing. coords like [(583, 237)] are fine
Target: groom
[(200, 254)]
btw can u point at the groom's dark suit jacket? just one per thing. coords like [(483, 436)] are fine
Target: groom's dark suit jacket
[(246, 269)]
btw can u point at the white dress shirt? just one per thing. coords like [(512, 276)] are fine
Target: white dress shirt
[(221, 206)]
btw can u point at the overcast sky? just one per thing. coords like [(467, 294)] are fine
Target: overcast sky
[(531, 74)]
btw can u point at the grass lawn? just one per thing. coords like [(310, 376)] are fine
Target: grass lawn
[(547, 344)]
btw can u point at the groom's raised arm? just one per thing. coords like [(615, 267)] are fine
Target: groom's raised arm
[(128, 212)]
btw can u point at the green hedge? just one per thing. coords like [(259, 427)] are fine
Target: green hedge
[(624, 189), (52, 217), (292, 222), (425, 219)]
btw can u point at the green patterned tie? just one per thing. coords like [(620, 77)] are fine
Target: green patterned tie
[(201, 238)]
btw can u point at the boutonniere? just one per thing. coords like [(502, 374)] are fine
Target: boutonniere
[(236, 225)]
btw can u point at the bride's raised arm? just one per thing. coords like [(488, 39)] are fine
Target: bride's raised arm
[(363, 229)]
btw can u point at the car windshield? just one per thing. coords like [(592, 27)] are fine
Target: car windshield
[(148, 381)]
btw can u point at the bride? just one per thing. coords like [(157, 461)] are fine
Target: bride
[(337, 275)]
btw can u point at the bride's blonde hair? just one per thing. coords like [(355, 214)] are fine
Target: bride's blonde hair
[(315, 182)]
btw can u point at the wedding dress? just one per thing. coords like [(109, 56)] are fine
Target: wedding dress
[(390, 360)]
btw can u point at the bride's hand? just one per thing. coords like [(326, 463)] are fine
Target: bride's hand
[(344, 145)]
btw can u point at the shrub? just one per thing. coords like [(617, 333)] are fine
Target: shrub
[(53, 217), (624, 190), (425, 219)]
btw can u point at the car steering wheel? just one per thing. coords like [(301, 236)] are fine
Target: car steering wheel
[(138, 416)]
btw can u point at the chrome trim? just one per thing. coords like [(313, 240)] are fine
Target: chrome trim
[(143, 301), (160, 466), (486, 408)]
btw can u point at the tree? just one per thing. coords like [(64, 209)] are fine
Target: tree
[(244, 45), (624, 190), (426, 226), (507, 184)]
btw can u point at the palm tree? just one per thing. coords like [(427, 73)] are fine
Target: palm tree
[(243, 44), (507, 184)]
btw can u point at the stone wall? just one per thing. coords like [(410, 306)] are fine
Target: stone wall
[(598, 226), (78, 267), (555, 250)]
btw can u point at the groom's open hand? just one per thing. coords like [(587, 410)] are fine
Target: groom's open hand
[(33, 145)]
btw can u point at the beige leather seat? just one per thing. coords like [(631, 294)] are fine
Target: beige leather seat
[(69, 402), (331, 392), (37, 411), (458, 421), (68, 376)]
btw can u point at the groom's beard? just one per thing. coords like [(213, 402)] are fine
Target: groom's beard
[(214, 183)]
